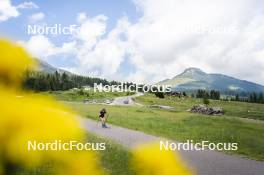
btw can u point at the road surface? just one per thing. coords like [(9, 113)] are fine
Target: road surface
[(126, 100)]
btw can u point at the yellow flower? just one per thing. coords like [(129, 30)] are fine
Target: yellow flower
[(14, 61), (25, 117), (31, 118), (150, 160)]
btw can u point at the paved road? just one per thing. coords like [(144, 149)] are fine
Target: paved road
[(203, 162), (126, 100)]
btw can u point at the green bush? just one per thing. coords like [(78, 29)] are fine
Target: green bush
[(206, 101)]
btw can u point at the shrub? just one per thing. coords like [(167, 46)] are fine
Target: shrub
[(206, 101), (160, 94)]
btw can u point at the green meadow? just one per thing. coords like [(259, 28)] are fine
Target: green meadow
[(78, 95), (238, 125), (115, 159), (231, 108)]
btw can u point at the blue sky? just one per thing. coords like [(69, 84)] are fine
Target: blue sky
[(143, 40), (65, 13), (59, 12)]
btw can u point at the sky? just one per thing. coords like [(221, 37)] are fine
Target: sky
[(143, 41)]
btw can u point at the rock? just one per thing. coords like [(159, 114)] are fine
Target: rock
[(202, 109)]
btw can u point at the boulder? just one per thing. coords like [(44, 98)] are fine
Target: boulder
[(202, 109)]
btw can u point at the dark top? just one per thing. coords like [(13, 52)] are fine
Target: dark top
[(102, 113)]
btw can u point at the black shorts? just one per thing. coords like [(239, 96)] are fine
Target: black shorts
[(101, 116)]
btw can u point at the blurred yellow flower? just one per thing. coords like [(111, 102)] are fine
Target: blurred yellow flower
[(14, 62), (25, 117), (81, 163), (30, 118), (150, 160)]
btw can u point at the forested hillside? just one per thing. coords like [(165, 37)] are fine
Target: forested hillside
[(39, 81)]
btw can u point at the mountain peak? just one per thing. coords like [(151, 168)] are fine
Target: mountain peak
[(193, 70), (194, 78)]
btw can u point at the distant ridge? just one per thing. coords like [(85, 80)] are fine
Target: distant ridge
[(47, 68), (194, 78)]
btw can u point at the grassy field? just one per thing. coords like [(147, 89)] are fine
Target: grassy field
[(181, 125), (114, 160), (81, 95), (231, 108)]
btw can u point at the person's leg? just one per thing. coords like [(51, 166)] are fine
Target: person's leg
[(103, 121)]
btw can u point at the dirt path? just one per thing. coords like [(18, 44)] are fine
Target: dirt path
[(203, 162)]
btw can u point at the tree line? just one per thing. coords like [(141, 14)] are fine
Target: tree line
[(39, 81), (213, 94), (253, 97), (256, 97)]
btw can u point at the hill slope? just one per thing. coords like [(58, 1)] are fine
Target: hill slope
[(193, 79), (47, 68)]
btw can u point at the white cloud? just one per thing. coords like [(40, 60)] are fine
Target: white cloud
[(41, 47), (81, 17), (27, 5), (7, 10), (101, 55), (161, 47), (95, 53), (91, 29), (36, 17), (217, 36)]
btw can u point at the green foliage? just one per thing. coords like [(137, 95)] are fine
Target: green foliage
[(81, 95), (256, 98), (252, 98), (202, 94), (213, 94), (39, 81), (115, 159), (159, 94), (237, 97), (206, 101)]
